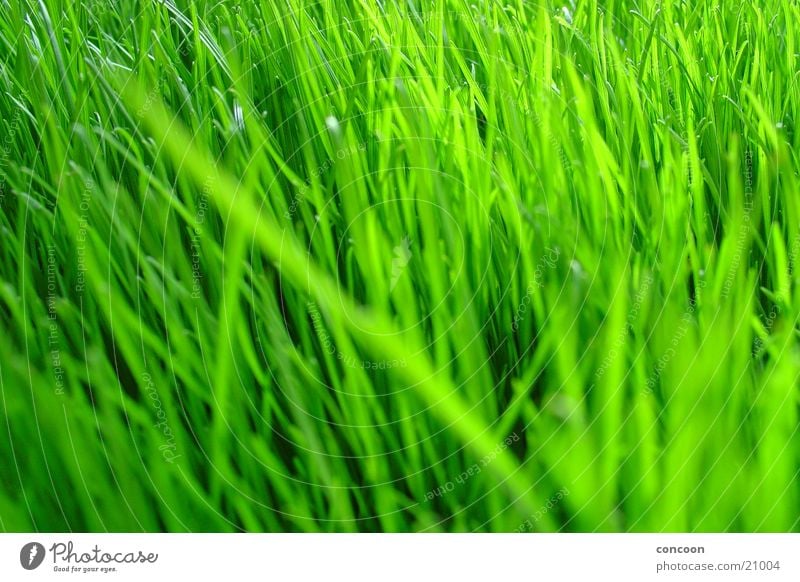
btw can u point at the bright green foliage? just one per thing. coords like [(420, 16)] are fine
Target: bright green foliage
[(380, 266)]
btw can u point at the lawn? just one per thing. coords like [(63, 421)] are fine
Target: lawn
[(399, 266)]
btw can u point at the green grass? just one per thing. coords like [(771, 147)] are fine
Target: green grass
[(357, 266)]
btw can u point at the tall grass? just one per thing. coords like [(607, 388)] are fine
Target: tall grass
[(357, 266)]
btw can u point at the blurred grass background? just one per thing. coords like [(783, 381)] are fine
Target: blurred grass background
[(399, 266)]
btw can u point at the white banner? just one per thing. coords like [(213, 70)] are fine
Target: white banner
[(400, 557)]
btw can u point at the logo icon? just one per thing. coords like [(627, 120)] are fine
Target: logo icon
[(32, 555), (402, 254)]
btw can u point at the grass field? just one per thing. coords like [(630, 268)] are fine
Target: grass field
[(359, 266)]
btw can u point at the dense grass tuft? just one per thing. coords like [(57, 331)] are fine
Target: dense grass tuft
[(357, 266)]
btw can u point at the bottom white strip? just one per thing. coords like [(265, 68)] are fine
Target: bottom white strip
[(400, 557)]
